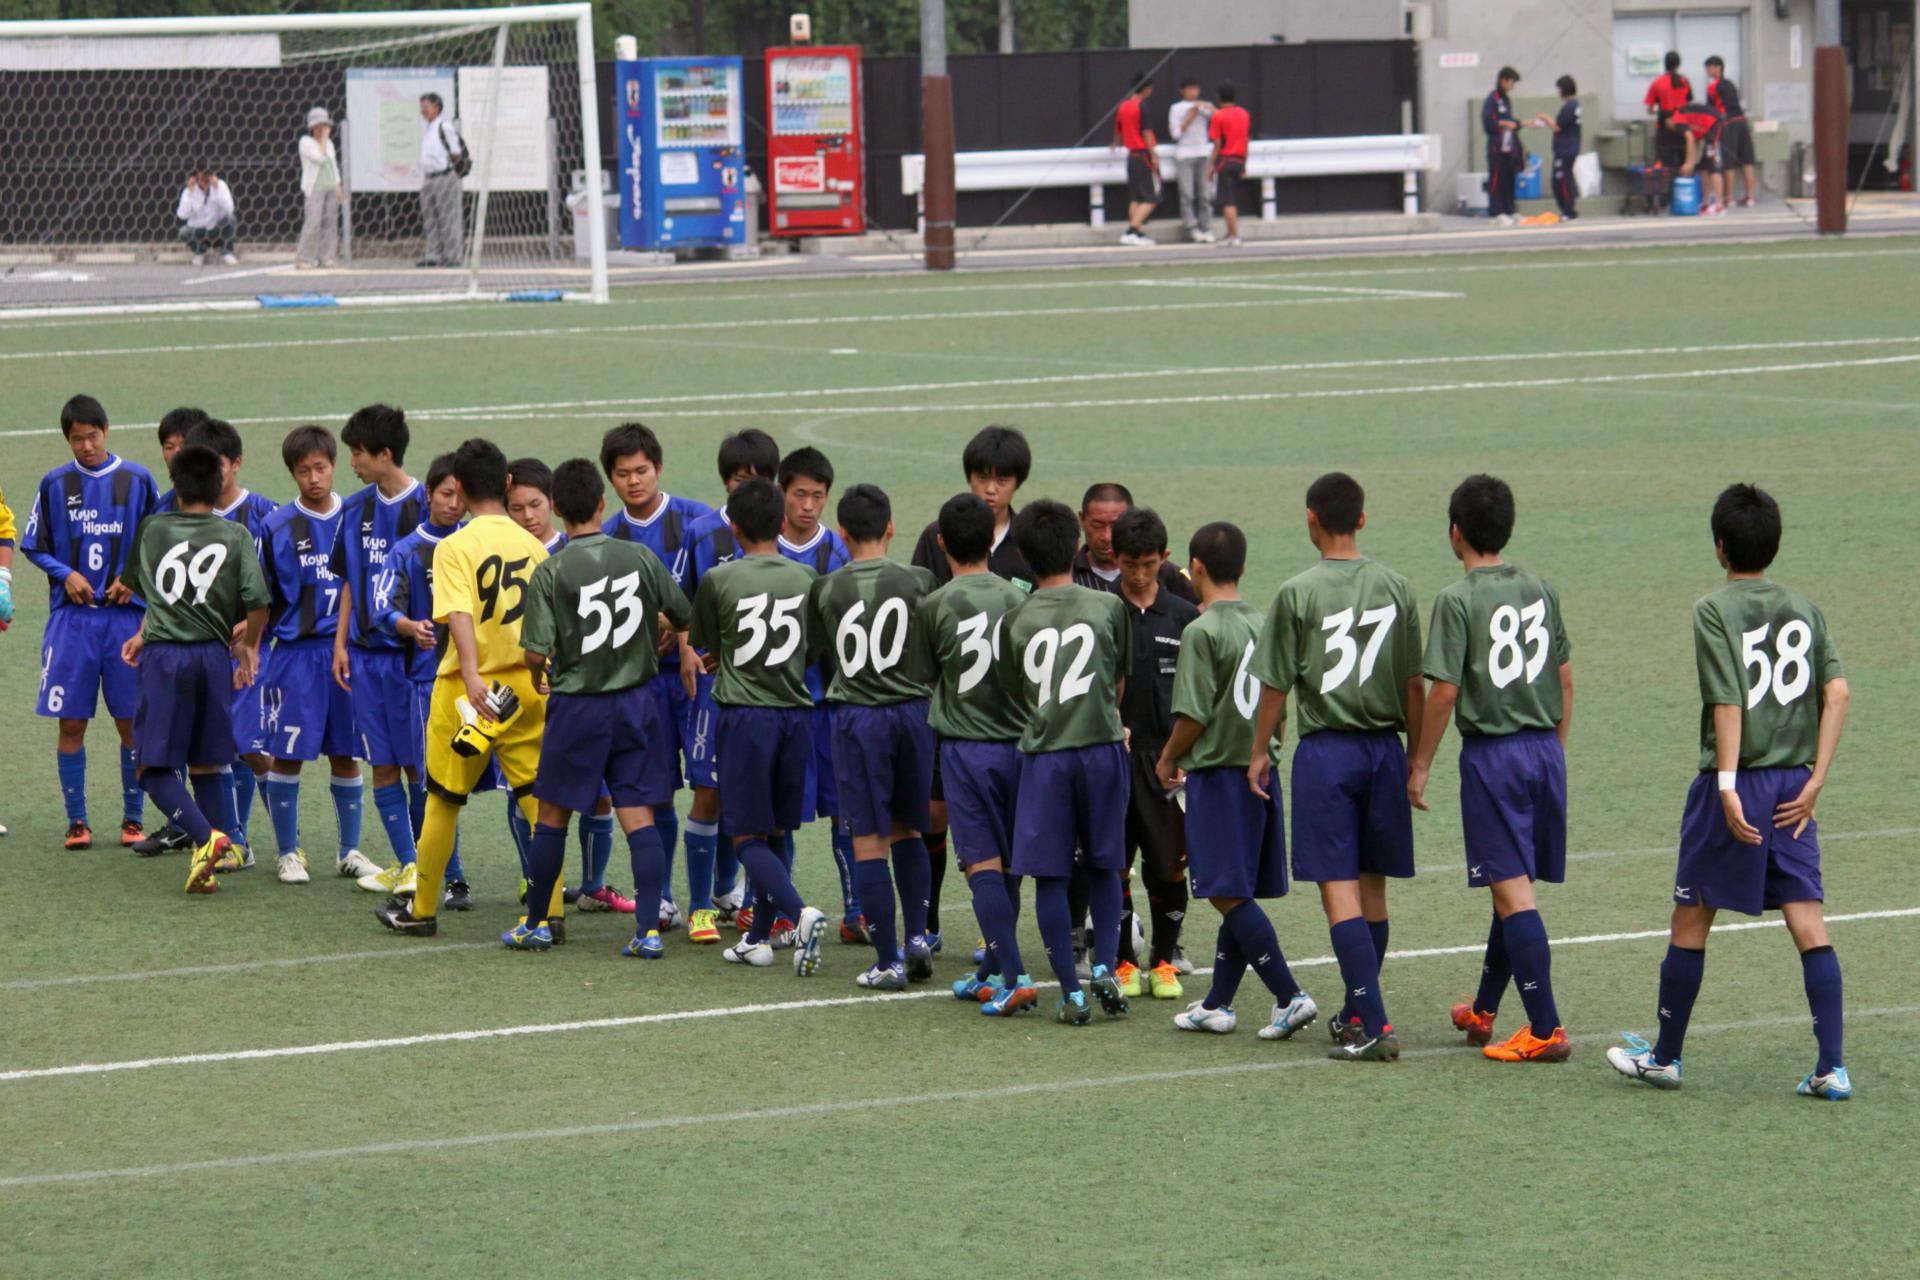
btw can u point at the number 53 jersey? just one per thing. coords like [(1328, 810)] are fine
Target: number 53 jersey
[(1063, 652), (483, 570), (591, 610), (1497, 634)]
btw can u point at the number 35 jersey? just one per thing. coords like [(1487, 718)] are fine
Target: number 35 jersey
[(1497, 635), (591, 610), (1063, 652), (954, 648), (483, 570), (863, 615), (1766, 650), (197, 574), (752, 612), (1347, 634)]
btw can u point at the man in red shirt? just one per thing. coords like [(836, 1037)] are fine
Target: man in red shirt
[(1229, 130), (1697, 125), (1666, 95), (1131, 130)]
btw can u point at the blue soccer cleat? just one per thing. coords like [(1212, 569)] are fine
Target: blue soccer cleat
[(1634, 1059), (980, 990), (1072, 1009), (1833, 1086), (521, 938), (1106, 989), (933, 942), (1009, 1000), (645, 947)]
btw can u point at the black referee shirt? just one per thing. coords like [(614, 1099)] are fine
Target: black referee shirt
[(1171, 579), (1004, 561), (1146, 707)]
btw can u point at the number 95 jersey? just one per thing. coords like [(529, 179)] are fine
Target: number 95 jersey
[(1497, 635), (482, 570)]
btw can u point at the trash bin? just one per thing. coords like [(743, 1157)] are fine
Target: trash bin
[(577, 207), (1686, 197)]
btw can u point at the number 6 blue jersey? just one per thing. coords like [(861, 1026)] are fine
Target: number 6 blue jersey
[(83, 521), (297, 554)]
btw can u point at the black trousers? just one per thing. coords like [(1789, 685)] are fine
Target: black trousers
[(1563, 192)]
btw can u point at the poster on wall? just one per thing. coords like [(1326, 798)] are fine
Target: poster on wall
[(522, 159), (383, 124)]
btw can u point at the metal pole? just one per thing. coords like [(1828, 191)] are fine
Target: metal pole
[(936, 136), (1829, 119), (1006, 26), (346, 196), (553, 189), (486, 163), (590, 153)]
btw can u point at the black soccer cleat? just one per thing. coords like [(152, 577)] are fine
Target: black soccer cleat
[(397, 915), (1362, 1047), (459, 896), (557, 926), (168, 839)]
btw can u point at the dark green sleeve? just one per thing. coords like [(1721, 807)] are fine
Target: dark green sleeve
[(536, 623), (1447, 642), (1408, 644), (817, 627), (135, 563), (921, 665), (705, 628), (1195, 682), (1722, 678), (1829, 653), (1122, 638), (1276, 661), (1562, 647)]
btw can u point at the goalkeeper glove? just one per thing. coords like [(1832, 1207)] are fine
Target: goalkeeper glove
[(6, 598), (481, 725)]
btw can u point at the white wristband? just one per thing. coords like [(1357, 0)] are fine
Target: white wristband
[(6, 574), (1727, 779)]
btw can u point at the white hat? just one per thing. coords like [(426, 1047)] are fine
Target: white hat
[(318, 116)]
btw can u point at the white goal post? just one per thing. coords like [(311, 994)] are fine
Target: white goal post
[(288, 159)]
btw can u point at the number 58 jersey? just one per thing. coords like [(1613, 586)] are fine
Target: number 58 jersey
[(1766, 650), (1063, 653), (483, 570), (1347, 634), (591, 609)]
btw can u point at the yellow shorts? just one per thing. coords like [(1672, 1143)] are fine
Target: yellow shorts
[(453, 776)]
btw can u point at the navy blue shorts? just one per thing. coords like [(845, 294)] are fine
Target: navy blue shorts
[(1513, 806), (80, 660), (883, 765), (1718, 871), (1071, 800), (303, 714), (1350, 811), (1236, 842), (765, 753), (703, 756), (383, 708), (822, 798), (605, 744), (672, 696), (982, 781), (246, 719), (185, 715)]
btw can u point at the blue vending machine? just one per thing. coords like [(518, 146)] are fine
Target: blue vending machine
[(682, 159)]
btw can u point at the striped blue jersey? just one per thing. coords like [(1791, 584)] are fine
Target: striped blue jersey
[(403, 589), (665, 533), (822, 553), (297, 553), (250, 509), (370, 526), (710, 542), (557, 541), (83, 521)]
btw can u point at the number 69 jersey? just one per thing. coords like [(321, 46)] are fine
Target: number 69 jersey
[(1766, 650), (1214, 686), (863, 614), (197, 574), (752, 613), (482, 570), (1063, 652), (591, 611), (1497, 634)]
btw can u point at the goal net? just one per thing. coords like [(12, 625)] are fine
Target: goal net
[(300, 159)]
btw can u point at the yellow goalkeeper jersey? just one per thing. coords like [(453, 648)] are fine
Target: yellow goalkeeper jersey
[(482, 571)]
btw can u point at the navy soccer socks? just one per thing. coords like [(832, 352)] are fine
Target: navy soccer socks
[(546, 859), (1229, 967), (1055, 918), (994, 909), (171, 798), (1680, 975), (1360, 971), (1496, 971), (649, 863), (874, 883), (912, 871), (1821, 969), (1260, 949), (772, 885), (1379, 931), (1532, 961), (1103, 904), (213, 793)]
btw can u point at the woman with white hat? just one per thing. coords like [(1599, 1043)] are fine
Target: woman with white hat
[(320, 181)]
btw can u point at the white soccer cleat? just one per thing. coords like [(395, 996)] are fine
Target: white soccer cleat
[(1634, 1059), (806, 941), (293, 868), (1197, 1017), (1835, 1086), (229, 260), (670, 917), (1288, 1018), (757, 954), (355, 865), (386, 882)]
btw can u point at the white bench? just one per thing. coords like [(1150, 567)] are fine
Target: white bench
[(1270, 159)]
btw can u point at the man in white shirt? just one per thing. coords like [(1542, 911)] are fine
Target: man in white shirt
[(441, 208), (1187, 121), (206, 216)]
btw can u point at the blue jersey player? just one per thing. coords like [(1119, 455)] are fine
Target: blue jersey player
[(632, 459), (78, 534), (304, 714), (1498, 663), (712, 870), (1773, 701), (369, 661)]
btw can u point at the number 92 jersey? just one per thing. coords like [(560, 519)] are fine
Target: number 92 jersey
[(863, 613), (752, 612), (1767, 650), (591, 611), (197, 574), (1063, 652), (482, 570), (1497, 634)]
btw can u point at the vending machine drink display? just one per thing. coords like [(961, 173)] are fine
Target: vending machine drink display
[(815, 146), (682, 162)]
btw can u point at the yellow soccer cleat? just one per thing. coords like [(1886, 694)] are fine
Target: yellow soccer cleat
[(1163, 982), (200, 870), (1127, 974), (703, 927), (387, 882)]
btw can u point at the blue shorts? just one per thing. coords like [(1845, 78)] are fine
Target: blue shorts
[(81, 659), (1236, 842), (1350, 811), (383, 710), (672, 697), (605, 744), (703, 757), (765, 753), (823, 792), (1513, 806), (246, 719), (186, 707), (303, 714), (982, 781), (1071, 801), (883, 765), (1718, 871)]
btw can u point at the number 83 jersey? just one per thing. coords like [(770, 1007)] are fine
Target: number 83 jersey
[(591, 610), (483, 570), (1497, 634)]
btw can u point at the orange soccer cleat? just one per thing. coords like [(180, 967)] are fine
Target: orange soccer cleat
[(1477, 1025), (1524, 1046)]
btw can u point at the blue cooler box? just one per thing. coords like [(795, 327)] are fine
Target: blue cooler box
[(1527, 185), (1686, 197)]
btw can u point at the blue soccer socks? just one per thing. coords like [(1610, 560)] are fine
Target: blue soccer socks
[(1532, 960), (1821, 969), (521, 835), (349, 800), (1260, 949), (282, 791), (649, 864), (701, 839), (73, 782), (843, 860), (133, 795), (1360, 970), (246, 785), (1680, 975), (390, 802), (874, 883), (171, 798)]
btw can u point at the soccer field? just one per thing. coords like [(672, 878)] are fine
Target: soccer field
[(265, 1080)]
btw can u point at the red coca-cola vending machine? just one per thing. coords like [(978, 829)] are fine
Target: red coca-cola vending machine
[(815, 150)]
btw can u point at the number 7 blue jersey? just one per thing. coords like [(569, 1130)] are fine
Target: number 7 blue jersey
[(297, 554), (83, 521)]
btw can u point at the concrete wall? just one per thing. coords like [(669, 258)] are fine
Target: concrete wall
[(1167, 24)]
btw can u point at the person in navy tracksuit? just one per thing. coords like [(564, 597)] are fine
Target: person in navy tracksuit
[(1566, 144), (1503, 147)]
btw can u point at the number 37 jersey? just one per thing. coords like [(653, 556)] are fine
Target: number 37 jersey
[(1344, 639), (1497, 635), (1767, 650), (1063, 652), (752, 613), (591, 610), (483, 570)]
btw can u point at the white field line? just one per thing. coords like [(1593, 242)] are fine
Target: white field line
[(782, 1006), (1203, 282), (243, 273), (402, 953), (803, 1111)]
